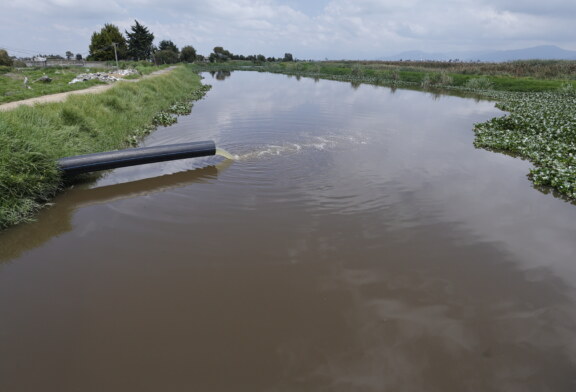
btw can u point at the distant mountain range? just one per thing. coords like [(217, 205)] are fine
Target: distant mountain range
[(545, 52)]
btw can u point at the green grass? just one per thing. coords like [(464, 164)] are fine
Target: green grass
[(514, 76), (32, 138), (539, 69), (12, 80), (12, 83)]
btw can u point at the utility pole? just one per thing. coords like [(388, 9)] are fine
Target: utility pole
[(115, 54)]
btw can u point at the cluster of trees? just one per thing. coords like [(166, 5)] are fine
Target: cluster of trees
[(219, 54), (111, 44), (70, 55), (168, 53), (5, 59), (137, 44)]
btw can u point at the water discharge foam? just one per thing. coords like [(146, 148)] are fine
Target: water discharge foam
[(318, 143), (223, 153)]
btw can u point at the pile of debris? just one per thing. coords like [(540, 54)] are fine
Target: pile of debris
[(107, 77)]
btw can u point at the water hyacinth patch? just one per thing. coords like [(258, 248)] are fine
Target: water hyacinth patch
[(542, 128), (164, 118), (169, 117), (181, 108)]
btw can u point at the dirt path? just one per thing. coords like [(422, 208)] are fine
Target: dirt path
[(60, 97)]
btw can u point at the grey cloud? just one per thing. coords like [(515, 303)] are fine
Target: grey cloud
[(550, 8), (333, 29)]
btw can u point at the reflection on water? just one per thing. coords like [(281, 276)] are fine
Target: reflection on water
[(359, 242), (220, 75), (56, 219)]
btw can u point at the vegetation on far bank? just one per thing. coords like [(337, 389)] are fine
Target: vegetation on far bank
[(524, 76), (33, 138)]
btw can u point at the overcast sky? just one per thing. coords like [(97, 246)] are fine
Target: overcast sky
[(309, 29)]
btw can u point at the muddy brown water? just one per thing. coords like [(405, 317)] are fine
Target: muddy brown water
[(359, 243)]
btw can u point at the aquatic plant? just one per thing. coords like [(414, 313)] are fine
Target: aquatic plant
[(181, 108), (164, 119), (542, 128)]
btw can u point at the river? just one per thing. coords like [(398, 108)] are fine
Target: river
[(359, 242)]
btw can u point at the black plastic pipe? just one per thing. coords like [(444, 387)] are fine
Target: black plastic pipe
[(135, 156)]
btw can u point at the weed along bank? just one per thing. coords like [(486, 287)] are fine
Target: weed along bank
[(32, 139)]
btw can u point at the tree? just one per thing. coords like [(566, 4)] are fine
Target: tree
[(102, 44), (5, 59), (168, 45), (188, 54), (288, 57), (69, 55), (166, 57), (78, 57), (140, 42), (219, 54)]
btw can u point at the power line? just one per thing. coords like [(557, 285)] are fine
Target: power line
[(29, 52), (18, 50), (32, 53)]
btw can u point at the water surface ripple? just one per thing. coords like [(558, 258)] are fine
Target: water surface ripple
[(358, 242)]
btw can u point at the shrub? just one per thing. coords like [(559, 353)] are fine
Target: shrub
[(166, 57), (5, 59), (481, 83), (426, 81), (444, 79), (188, 54), (357, 70)]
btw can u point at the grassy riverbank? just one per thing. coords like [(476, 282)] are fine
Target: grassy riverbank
[(540, 97), (32, 138), (521, 76)]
